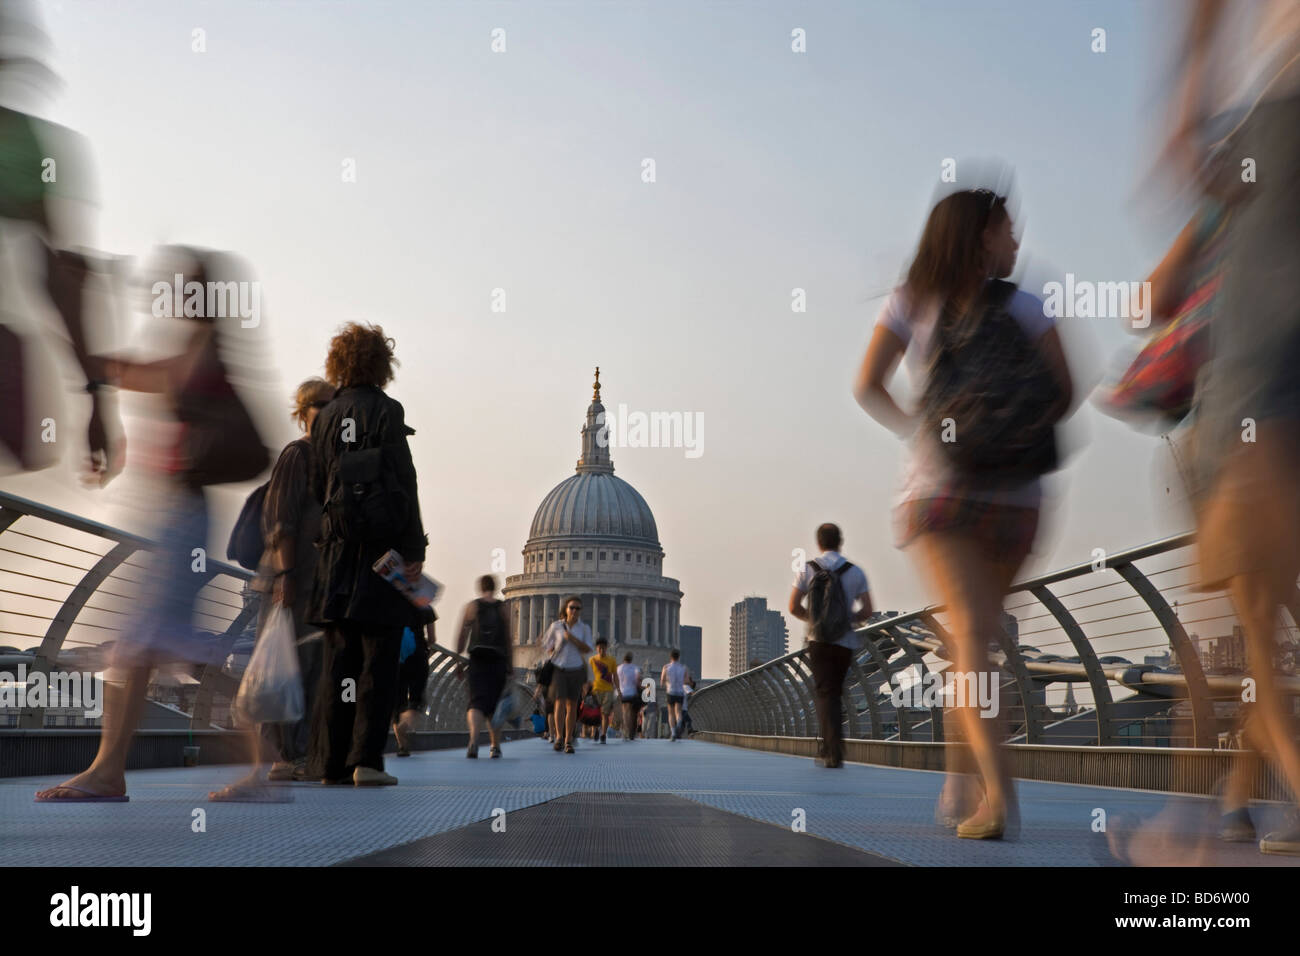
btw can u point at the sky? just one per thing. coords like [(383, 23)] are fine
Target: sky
[(522, 170)]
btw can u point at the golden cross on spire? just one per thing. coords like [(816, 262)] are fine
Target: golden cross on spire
[(595, 395)]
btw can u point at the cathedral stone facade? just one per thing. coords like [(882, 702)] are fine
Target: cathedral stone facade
[(594, 536)]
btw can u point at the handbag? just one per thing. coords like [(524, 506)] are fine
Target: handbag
[(220, 444), (1160, 382)]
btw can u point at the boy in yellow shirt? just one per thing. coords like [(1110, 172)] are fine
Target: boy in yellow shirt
[(602, 681)]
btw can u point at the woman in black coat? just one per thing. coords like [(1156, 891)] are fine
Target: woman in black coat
[(363, 476)]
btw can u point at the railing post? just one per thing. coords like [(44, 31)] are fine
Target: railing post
[(1204, 728), (884, 667), (212, 670), (1087, 656), (784, 712), (1015, 664), (799, 665), (33, 718), (904, 642), (873, 706)]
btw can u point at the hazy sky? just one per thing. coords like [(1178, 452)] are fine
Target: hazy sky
[(522, 170)]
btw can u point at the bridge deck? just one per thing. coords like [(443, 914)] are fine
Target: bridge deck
[(691, 802)]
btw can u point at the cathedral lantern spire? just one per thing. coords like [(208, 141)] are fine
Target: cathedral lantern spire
[(595, 444)]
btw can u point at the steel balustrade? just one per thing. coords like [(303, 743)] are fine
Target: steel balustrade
[(446, 696), (776, 698), (783, 691)]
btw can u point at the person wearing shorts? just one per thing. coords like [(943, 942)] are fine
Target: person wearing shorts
[(674, 677), (485, 633), (629, 692), (602, 683), (970, 536), (1241, 71), (412, 676), (565, 643)]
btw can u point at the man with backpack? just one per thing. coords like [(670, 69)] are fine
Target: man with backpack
[(833, 586), (486, 629)]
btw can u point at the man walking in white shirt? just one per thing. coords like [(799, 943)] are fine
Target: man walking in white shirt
[(629, 692), (833, 586), (674, 678)]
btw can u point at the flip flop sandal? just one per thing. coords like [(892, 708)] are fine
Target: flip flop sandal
[(242, 793), (42, 796)]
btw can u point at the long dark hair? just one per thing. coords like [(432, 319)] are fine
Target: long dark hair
[(949, 261)]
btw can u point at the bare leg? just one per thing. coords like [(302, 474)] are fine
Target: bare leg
[(965, 580), (476, 721), (123, 705), (570, 716), (1257, 599)]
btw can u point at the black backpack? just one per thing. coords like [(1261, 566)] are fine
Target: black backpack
[(995, 386), (828, 611), (246, 543), (366, 502), (485, 631)]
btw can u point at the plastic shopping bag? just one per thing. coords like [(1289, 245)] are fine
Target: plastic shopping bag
[(271, 691), (509, 708)]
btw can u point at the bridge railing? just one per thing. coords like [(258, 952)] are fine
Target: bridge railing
[(69, 588), (1122, 650), (447, 696)]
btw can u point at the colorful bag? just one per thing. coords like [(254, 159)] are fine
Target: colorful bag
[(1160, 382)]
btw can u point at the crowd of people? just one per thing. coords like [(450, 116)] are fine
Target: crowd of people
[(340, 498), (580, 693), (995, 384)]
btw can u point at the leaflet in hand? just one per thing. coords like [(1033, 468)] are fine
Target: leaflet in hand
[(392, 568)]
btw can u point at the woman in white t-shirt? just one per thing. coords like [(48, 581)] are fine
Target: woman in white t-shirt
[(969, 540), (629, 692)]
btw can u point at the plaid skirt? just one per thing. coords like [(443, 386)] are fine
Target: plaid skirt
[(1005, 531)]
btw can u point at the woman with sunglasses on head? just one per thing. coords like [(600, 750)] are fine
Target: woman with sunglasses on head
[(970, 532)]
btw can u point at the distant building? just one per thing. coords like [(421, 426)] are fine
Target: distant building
[(758, 635), (1163, 661), (1224, 655), (690, 641), (595, 537)]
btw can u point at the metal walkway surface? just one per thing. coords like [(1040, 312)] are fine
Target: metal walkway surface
[(704, 805)]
